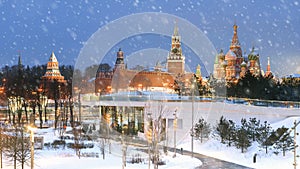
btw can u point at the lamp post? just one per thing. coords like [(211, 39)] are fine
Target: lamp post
[(31, 129), (44, 102), (175, 127), (77, 90), (192, 143), (149, 137)]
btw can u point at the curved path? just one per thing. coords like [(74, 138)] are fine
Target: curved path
[(212, 163)]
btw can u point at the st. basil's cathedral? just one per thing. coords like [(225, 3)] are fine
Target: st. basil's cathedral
[(233, 65)]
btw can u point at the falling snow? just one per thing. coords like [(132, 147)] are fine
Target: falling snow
[(41, 27)]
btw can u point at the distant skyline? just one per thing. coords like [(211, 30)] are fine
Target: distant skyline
[(37, 28)]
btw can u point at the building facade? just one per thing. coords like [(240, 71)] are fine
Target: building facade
[(233, 65), (160, 78)]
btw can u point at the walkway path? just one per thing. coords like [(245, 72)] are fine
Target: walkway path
[(212, 163)]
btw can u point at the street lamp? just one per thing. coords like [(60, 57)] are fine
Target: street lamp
[(193, 90), (175, 127), (149, 137), (77, 90), (31, 129), (44, 102)]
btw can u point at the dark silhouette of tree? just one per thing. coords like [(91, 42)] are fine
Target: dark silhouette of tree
[(222, 129), (104, 67), (253, 128), (264, 140), (67, 72), (254, 87), (283, 140), (242, 138), (202, 129), (218, 87)]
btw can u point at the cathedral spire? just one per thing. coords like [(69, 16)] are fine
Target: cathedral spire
[(235, 43), (175, 30), (235, 39)]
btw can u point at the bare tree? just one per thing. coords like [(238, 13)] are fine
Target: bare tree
[(104, 132), (155, 114), (17, 146), (1, 145)]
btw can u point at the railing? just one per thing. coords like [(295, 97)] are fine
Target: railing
[(231, 100)]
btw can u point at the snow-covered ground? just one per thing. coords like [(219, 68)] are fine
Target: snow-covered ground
[(55, 159), (50, 158), (213, 148)]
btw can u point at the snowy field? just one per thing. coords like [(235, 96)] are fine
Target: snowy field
[(214, 149), (50, 158), (67, 158)]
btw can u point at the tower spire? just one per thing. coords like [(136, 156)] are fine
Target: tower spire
[(52, 71), (235, 39), (120, 60), (175, 60), (175, 29), (198, 71), (19, 60), (235, 43), (268, 72)]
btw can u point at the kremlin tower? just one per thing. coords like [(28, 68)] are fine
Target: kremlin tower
[(176, 60), (268, 72), (120, 60), (52, 72)]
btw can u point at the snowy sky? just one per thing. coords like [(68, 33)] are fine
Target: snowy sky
[(38, 27)]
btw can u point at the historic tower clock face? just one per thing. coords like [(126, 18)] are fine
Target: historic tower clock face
[(175, 50)]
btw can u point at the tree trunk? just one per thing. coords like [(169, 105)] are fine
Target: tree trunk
[(201, 135), (13, 120), (40, 115), (33, 112), (15, 161), (55, 113), (45, 113), (19, 111), (26, 114), (71, 113), (9, 117)]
